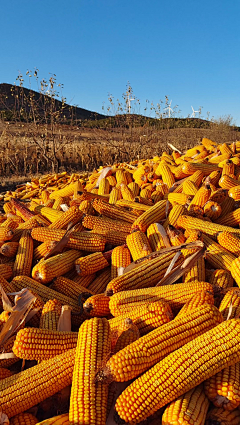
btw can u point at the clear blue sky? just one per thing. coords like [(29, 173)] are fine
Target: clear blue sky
[(188, 50)]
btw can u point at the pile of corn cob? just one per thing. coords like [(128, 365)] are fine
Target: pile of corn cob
[(120, 299)]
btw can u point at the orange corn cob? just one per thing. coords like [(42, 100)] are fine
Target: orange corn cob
[(175, 295), (230, 305), (81, 280), (50, 315), (42, 344), (20, 282), (192, 223), (231, 219), (123, 333), (6, 234), (212, 210), (47, 270), (155, 238), (21, 209), (221, 278), (147, 317), (174, 214), (56, 420), (91, 263), (146, 193), (88, 402), (146, 274), (201, 298), (126, 193), (218, 256), (69, 288), (11, 223), (219, 416), (151, 348), (202, 196), (58, 371), (5, 271), (227, 182), (49, 213), (214, 177), (176, 236), (190, 168), (90, 242), (133, 205), (112, 237), (179, 198), (97, 305), (223, 389), (114, 196), (120, 259), (86, 207), (57, 203), (73, 216), (66, 191), (227, 204), (134, 188), (234, 193), (23, 261), (7, 348), (90, 222), (9, 249), (153, 215), (156, 196), (138, 245), (226, 333), (112, 181), (104, 187), (190, 408), (121, 176), (230, 242), (24, 419), (112, 211), (167, 176), (98, 285), (41, 250)]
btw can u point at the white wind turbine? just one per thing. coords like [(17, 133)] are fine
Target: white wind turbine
[(169, 109), (129, 100), (194, 112)]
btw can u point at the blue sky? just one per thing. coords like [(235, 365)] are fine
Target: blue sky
[(188, 50)]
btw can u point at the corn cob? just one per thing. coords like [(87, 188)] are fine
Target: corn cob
[(174, 214), (82, 280), (123, 333), (49, 376), (214, 177), (7, 348), (234, 192), (230, 305), (104, 187), (155, 238), (90, 222), (147, 274), (42, 344), (47, 270), (112, 237), (88, 402), (167, 176), (24, 419), (112, 211), (200, 298), (21, 209), (56, 420), (227, 205), (156, 196), (126, 193), (190, 408), (86, 207), (11, 223), (176, 236), (202, 196), (90, 242), (66, 191), (120, 259), (5, 271), (196, 369), (91, 263), (153, 215), (230, 242), (176, 296), (218, 256), (151, 348), (190, 168), (112, 180), (133, 205), (41, 250), (23, 261), (147, 317), (219, 416), (138, 245), (73, 216), (178, 198), (98, 285), (57, 203), (69, 288), (49, 213), (133, 186), (221, 278), (227, 182), (121, 176), (114, 196), (187, 222), (231, 219), (223, 389), (146, 193), (20, 282), (50, 315), (6, 234), (9, 249), (212, 210), (97, 306)]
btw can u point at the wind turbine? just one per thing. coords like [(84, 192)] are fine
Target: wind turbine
[(194, 112), (169, 109), (129, 100)]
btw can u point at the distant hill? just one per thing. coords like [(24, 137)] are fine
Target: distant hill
[(21, 103)]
